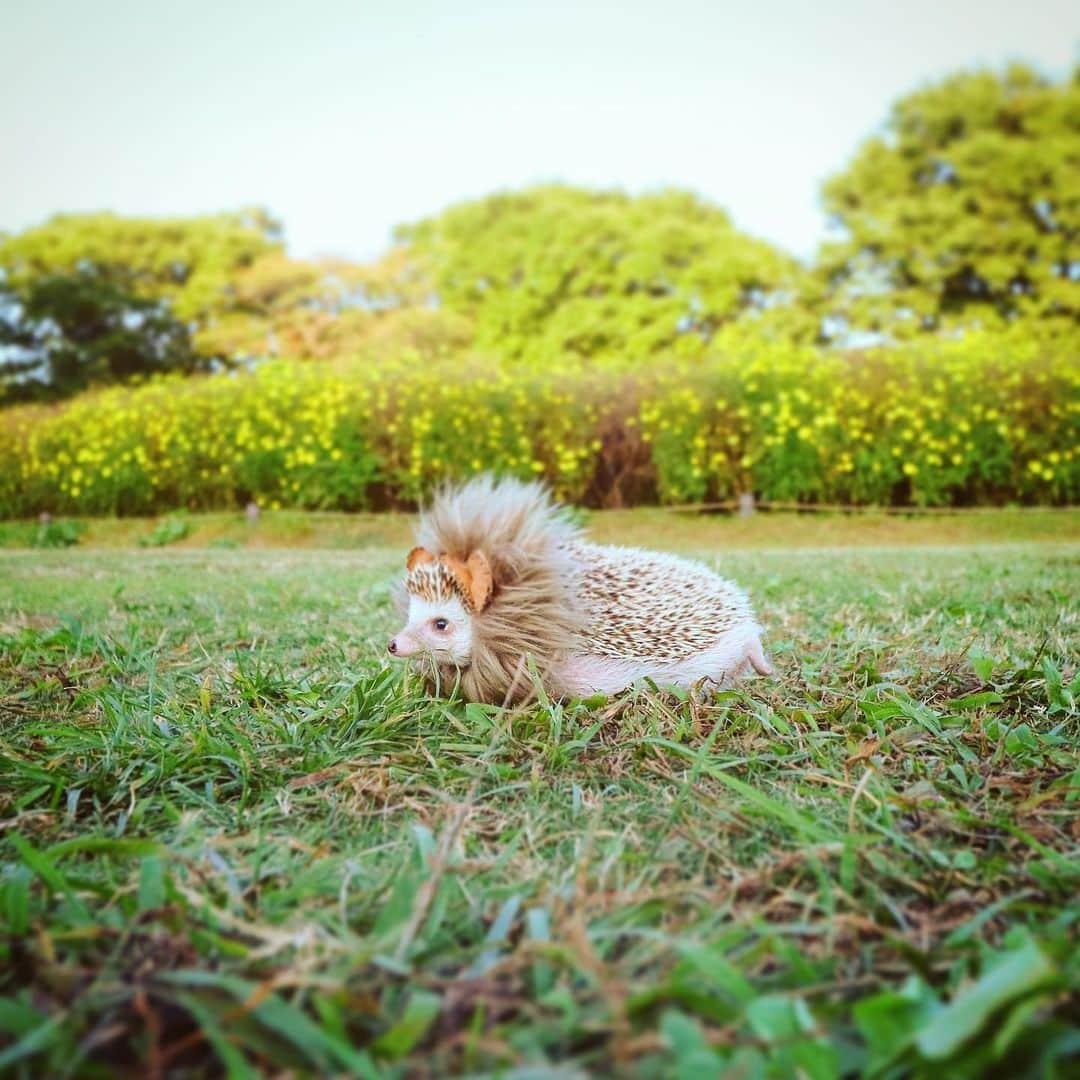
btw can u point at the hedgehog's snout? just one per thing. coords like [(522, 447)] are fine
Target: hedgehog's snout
[(402, 645)]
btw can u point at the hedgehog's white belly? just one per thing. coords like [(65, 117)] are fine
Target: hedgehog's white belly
[(727, 658)]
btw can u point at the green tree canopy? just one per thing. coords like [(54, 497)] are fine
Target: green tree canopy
[(965, 210), (560, 271), (92, 298), (189, 262), (97, 298), (63, 332), (225, 278)]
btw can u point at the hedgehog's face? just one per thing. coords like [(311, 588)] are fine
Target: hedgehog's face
[(444, 595), (440, 628)]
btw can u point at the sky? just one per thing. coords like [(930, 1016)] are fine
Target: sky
[(345, 119)]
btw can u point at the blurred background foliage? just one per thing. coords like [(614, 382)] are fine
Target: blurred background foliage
[(630, 348), (597, 276), (964, 211)]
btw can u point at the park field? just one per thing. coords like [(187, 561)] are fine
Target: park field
[(235, 840)]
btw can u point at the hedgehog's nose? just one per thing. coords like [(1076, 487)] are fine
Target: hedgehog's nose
[(393, 645)]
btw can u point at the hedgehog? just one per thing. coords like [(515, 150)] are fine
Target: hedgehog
[(503, 588)]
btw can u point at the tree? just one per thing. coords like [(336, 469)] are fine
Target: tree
[(560, 271), (964, 211), (99, 298), (188, 263), (291, 307), (226, 277), (63, 332)]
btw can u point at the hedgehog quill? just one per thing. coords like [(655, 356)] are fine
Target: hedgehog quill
[(502, 581)]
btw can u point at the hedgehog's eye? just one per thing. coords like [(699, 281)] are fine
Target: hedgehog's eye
[(440, 624)]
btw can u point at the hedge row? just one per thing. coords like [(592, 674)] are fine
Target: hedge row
[(985, 420)]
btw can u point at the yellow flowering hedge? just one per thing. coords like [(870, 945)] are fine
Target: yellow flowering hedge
[(982, 420)]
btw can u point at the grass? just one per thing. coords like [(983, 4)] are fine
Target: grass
[(234, 840), (676, 530)]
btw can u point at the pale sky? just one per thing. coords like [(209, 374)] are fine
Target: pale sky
[(346, 118)]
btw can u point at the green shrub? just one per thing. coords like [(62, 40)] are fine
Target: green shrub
[(57, 534), (169, 530)]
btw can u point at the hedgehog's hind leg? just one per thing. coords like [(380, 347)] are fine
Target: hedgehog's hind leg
[(756, 655), (729, 658)]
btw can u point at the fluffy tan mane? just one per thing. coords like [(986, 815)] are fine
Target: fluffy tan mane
[(533, 611)]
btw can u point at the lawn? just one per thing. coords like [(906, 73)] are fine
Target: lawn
[(236, 840)]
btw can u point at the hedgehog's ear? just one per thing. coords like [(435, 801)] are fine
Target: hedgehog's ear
[(482, 582), (473, 578), (418, 557), (461, 574)]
